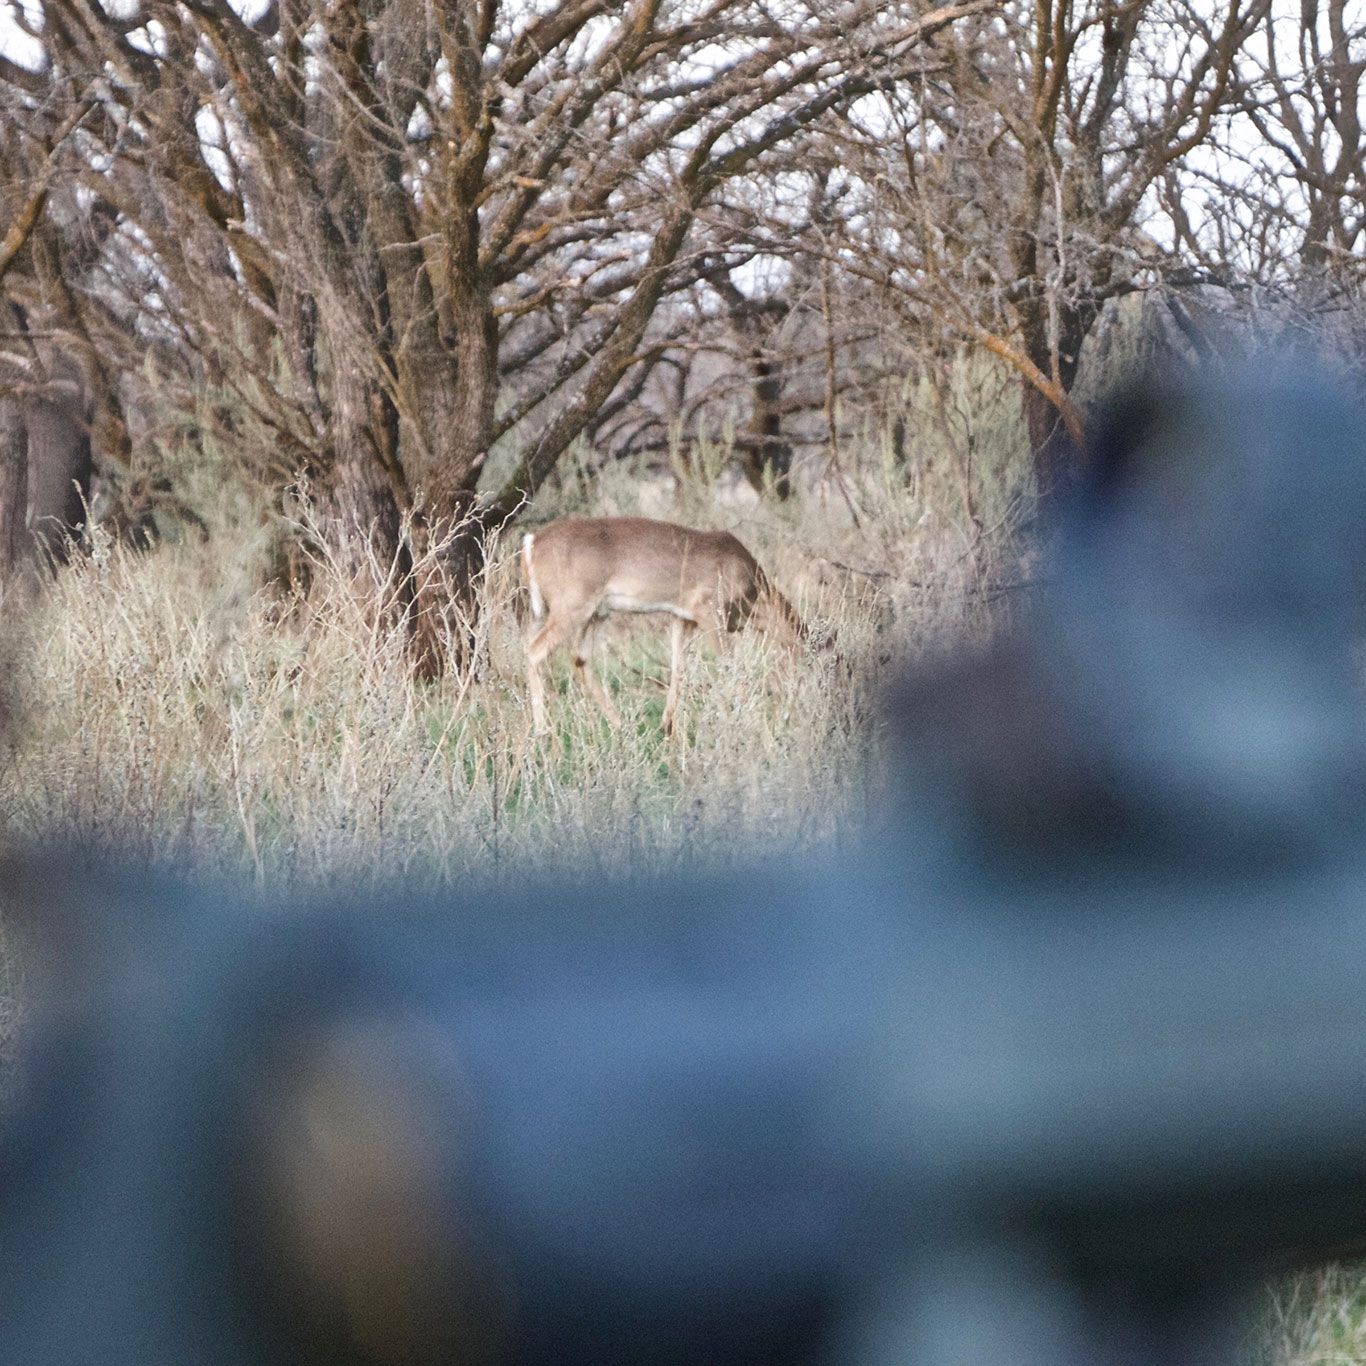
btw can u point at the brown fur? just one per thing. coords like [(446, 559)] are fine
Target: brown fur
[(582, 569)]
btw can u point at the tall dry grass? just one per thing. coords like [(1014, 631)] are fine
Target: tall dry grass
[(171, 706), (1317, 1318)]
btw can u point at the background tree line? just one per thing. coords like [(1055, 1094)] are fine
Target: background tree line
[(396, 257)]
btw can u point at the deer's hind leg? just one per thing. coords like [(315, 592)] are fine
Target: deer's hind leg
[(538, 650), (583, 666), (561, 627)]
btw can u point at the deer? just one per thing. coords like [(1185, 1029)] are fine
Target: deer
[(579, 570)]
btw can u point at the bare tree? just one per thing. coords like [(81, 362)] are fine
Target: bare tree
[(1305, 102), (1279, 200), (13, 488), (46, 429), (1001, 192), (401, 233)]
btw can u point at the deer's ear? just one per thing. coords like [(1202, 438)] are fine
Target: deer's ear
[(357, 1227)]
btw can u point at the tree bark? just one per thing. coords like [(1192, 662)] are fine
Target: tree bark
[(358, 501), (15, 545), (767, 456), (449, 556), (1055, 452), (59, 470)]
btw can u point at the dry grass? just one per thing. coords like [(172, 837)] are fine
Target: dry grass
[(173, 709), (1314, 1319)]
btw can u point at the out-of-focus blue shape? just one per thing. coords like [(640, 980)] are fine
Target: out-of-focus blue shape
[(1049, 1069), (1133, 1052)]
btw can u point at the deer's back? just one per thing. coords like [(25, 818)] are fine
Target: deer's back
[(638, 557)]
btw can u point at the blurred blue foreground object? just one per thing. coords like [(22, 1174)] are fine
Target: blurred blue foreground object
[(1057, 1064)]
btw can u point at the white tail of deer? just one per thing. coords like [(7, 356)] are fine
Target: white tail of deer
[(580, 570)]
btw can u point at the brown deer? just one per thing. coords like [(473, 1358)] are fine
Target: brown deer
[(579, 570)]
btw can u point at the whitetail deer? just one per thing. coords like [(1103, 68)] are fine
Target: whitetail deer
[(579, 570)]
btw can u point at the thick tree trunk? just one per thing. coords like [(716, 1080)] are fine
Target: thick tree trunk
[(1056, 456), (1053, 453), (468, 437), (449, 557), (455, 404), (768, 458), (404, 455), (431, 427), (433, 570), (360, 509), (59, 470), (15, 545)]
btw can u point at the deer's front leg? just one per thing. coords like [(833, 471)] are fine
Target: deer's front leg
[(679, 632)]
